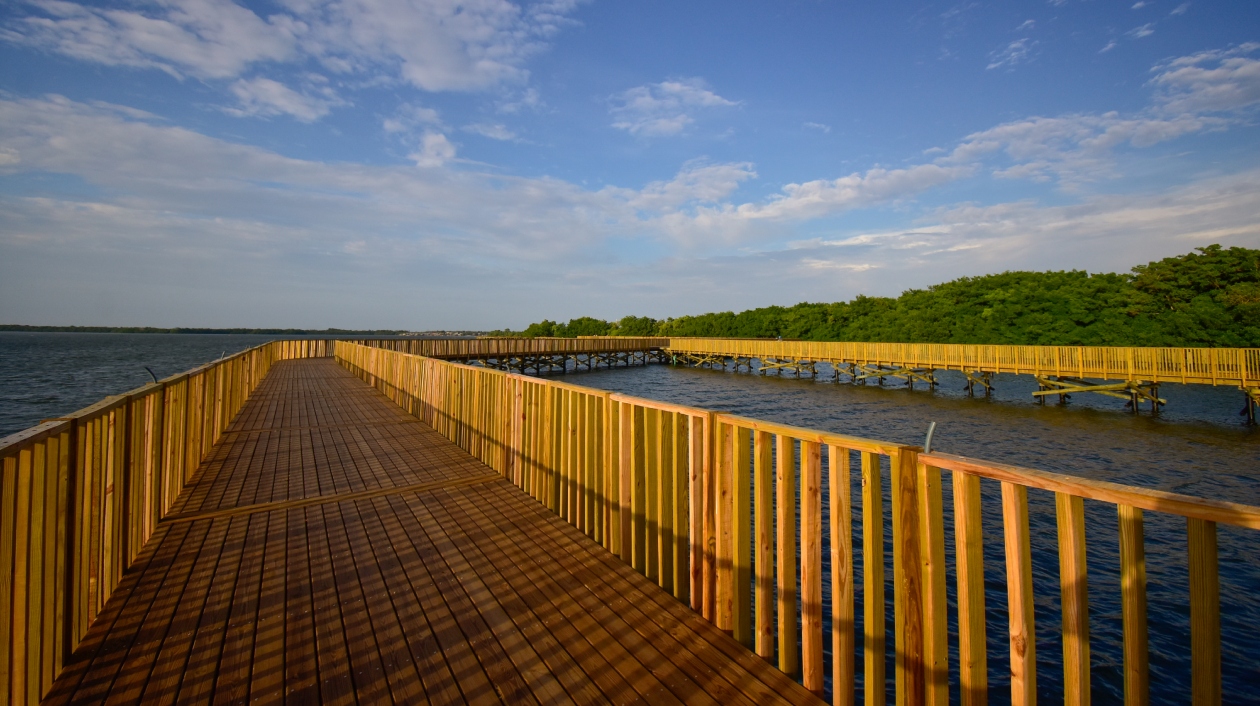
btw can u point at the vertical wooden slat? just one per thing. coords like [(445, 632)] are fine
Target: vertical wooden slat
[(36, 556), (8, 531), (590, 495), (652, 492), (969, 552), (811, 567), (1019, 595), (682, 508), (640, 512), (1205, 613), (565, 457), (907, 578), (65, 548), (873, 618), (554, 459), (1074, 589), (724, 508), (613, 435), (785, 479), (665, 499), (741, 537), (763, 501), (21, 565), (625, 510), (712, 452), (841, 532), (935, 625), (48, 612), (1133, 605)]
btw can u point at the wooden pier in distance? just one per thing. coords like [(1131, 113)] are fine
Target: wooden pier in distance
[(334, 549)]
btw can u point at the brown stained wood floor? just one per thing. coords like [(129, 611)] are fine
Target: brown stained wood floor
[(335, 550)]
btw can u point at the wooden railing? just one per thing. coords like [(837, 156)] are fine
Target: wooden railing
[(709, 504), (81, 494), (465, 348), (1070, 492), (1210, 366)]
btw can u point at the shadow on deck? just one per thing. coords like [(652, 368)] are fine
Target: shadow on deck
[(334, 549)]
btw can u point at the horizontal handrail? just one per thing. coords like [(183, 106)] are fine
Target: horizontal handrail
[(472, 348), (1211, 366), (1115, 493)]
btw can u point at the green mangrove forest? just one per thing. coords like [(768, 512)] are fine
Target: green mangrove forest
[(1209, 297)]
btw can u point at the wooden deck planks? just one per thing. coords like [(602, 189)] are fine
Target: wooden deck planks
[(429, 584)]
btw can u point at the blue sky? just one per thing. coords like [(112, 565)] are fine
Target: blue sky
[(436, 164)]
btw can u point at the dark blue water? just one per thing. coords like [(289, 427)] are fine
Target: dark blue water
[(1196, 445), (45, 375)]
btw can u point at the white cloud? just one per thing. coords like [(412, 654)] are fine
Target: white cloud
[(1210, 81), (697, 182), (1138, 5), (1180, 9), (729, 223), (1026, 24), (823, 196), (528, 99), (161, 169), (435, 150), (1145, 30), (492, 131), (264, 97), (819, 127), (1110, 45), (205, 38), (663, 108), (1012, 54), (811, 263), (1209, 90), (409, 117), (435, 45), (1070, 148)]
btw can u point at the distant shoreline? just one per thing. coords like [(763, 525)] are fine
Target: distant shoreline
[(255, 331)]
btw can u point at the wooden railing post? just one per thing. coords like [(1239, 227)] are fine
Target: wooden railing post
[(907, 578), (1023, 637), (625, 482), (1205, 614), (873, 596), (811, 567), (741, 536), (763, 504), (785, 471), (841, 533), (1074, 590), (1133, 605), (935, 609), (969, 552)]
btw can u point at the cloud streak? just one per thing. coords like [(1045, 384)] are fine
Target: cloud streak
[(665, 108), (434, 45)]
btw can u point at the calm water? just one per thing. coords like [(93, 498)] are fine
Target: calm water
[(1197, 445), (45, 375)]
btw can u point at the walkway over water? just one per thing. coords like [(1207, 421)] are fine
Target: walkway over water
[(334, 549)]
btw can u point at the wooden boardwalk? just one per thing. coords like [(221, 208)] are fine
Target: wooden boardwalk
[(333, 549)]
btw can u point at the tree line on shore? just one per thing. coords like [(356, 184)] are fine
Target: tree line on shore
[(153, 329), (1209, 297)]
